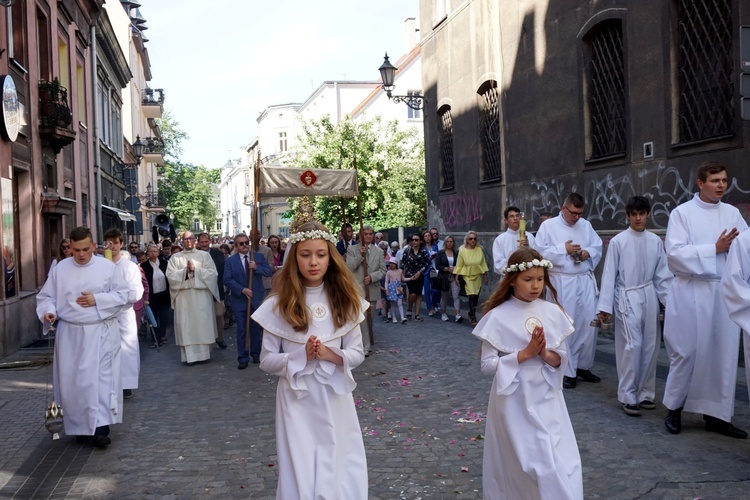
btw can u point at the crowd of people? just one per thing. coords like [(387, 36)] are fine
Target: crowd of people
[(538, 328)]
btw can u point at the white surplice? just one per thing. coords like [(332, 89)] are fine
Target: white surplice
[(505, 244), (634, 280), (701, 340), (319, 442), (87, 378), (735, 288), (530, 449), (130, 353), (575, 283), (193, 303)]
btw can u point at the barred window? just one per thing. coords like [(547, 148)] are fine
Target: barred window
[(704, 69), (605, 91), (446, 148), (490, 132)]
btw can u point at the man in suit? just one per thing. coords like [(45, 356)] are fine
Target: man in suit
[(204, 243), (347, 239), (236, 273), (368, 278)]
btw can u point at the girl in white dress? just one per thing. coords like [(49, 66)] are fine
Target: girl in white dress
[(312, 341), (530, 450)]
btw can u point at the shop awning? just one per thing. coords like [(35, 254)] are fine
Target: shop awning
[(121, 214)]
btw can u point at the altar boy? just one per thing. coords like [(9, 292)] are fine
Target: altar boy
[(635, 278)]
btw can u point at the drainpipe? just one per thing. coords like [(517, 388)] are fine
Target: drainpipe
[(97, 152)]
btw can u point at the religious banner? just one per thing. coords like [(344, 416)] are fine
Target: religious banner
[(291, 181)]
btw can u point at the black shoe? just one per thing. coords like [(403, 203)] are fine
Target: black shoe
[(632, 410), (192, 364), (569, 382), (81, 439), (101, 441), (242, 366), (714, 424), (127, 393), (221, 344), (673, 421), (647, 405), (587, 376), (256, 359)]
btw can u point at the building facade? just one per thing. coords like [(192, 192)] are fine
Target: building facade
[(531, 100)]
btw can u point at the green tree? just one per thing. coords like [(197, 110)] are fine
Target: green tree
[(186, 188), (390, 170)]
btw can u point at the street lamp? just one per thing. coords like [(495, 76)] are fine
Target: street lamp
[(138, 148), (388, 75)]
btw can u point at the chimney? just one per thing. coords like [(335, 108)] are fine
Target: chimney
[(411, 31)]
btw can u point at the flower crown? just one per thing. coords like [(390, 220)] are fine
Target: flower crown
[(315, 234), (523, 266)]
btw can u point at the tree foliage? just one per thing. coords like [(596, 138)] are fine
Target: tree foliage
[(186, 188), (390, 170)]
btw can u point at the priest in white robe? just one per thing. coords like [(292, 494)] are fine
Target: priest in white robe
[(701, 339), (86, 295), (130, 350), (735, 288), (193, 285), (634, 280), (574, 248), (508, 242)]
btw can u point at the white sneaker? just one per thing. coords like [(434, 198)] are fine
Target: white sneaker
[(459, 318), (444, 317), (395, 320)]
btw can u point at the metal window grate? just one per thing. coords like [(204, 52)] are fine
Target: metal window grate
[(491, 134), (704, 71), (446, 150), (606, 73)]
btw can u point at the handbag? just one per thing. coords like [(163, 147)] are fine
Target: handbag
[(443, 284), (462, 284)]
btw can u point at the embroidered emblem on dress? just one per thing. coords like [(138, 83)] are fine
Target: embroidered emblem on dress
[(319, 311), (532, 323)]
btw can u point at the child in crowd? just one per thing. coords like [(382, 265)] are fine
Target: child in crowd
[(312, 341), (394, 286), (530, 450), (634, 280)]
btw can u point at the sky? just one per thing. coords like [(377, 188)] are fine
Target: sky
[(222, 62)]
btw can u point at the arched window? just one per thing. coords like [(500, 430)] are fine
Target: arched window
[(489, 129), (445, 136)]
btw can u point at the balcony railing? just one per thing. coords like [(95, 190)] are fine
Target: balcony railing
[(154, 200), (153, 102), (55, 117), (154, 150)]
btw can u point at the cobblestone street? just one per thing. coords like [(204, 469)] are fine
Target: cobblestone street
[(208, 430)]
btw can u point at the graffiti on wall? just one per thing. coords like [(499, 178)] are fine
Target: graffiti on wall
[(456, 210)]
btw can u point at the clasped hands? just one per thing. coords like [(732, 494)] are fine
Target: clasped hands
[(315, 349), (573, 248), (538, 347)]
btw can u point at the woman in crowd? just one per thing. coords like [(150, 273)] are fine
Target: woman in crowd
[(431, 247), (158, 292), (415, 262), (63, 252), (444, 263), (277, 254), (471, 265)]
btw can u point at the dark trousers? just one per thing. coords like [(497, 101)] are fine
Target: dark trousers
[(473, 301), (162, 314), (256, 338)]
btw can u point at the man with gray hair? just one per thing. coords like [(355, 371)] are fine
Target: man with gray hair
[(368, 274)]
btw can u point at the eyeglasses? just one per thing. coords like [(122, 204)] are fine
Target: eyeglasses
[(571, 212), (434, 234), (242, 243), (415, 239), (192, 238), (65, 247), (471, 239)]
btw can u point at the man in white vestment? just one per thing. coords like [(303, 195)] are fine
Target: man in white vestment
[(508, 242), (574, 248), (634, 280), (130, 351), (192, 278), (355, 261), (701, 340), (735, 288), (85, 295)]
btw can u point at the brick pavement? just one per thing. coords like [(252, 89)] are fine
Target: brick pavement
[(207, 431)]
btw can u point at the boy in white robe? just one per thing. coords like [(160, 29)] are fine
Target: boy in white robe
[(85, 295), (635, 278), (130, 351), (701, 340), (508, 242), (735, 288), (572, 245)]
